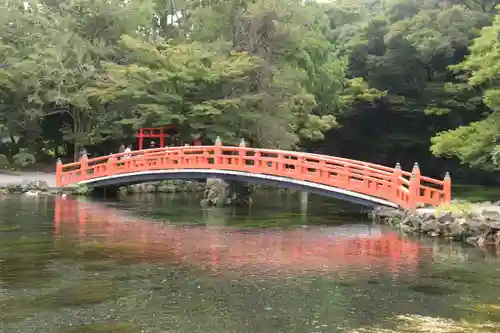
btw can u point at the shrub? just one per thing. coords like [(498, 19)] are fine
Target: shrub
[(496, 156), (82, 190), (459, 209), (4, 161), (24, 158)]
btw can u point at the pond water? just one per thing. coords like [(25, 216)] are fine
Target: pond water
[(163, 264)]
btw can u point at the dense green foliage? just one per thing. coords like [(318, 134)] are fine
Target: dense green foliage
[(478, 143), (379, 81)]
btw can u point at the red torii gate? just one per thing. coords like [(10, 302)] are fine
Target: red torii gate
[(159, 133)]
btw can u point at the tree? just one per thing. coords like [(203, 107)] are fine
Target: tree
[(301, 76), (64, 45), (189, 85), (477, 143), (287, 89), (403, 50), (20, 37)]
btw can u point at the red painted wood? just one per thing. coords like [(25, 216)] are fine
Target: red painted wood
[(153, 133), (406, 189), (162, 137), (141, 138)]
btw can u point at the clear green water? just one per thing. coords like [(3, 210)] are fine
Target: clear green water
[(163, 264)]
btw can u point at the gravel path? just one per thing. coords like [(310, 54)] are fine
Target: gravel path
[(21, 177)]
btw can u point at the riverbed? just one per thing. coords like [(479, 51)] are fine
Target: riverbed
[(161, 263)]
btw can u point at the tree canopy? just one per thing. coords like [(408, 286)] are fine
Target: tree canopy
[(399, 80), (478, 142)]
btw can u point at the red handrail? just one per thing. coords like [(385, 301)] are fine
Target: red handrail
[(405, 189)]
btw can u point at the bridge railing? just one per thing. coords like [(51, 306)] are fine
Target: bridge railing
[(406, 189)]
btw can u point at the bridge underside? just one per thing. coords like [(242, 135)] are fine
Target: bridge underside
[(200, 174)]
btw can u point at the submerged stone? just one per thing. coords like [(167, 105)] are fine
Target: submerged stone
[(111, 327), (417, 324), (86, 293), (9, 228), (432, 289)]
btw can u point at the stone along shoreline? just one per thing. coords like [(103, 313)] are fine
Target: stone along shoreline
[(476, 224)]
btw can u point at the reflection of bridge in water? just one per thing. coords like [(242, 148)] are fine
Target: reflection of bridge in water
[(330, 249)]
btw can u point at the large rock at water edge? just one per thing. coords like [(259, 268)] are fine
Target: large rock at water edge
[(219, 192)]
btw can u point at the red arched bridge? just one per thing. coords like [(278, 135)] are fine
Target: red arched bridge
[(360, 182)]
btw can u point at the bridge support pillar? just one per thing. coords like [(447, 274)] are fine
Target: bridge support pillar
[(304, 200)]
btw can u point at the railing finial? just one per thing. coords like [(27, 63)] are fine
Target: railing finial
[(84, 157), (447, 188), (59, 161), (416, 168), (218, 141), (398, 166), (242, 143)]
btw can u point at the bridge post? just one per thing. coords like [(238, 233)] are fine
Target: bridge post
[(447, 188), (242, 153), (414, 189), (59, 176), (111, 165), (397, 182), (217, 151), (84, 164), (347, 174)]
